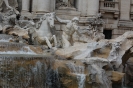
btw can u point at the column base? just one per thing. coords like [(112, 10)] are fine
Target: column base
[(38, 14), (70, 14), (67, 8), (26, 13)]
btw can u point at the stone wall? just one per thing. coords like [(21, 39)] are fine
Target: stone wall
[(116, 14)]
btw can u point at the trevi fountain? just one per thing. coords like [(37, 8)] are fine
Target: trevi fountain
[(36, 53)]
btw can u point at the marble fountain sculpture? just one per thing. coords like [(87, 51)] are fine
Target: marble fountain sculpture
[(30, 56)]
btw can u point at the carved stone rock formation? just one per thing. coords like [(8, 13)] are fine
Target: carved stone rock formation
[(30, 58)]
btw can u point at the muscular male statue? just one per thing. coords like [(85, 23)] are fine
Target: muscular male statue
[(69, 30)]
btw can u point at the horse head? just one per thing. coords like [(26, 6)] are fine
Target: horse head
[(50, 19)]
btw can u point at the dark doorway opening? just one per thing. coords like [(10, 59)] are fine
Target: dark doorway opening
[(108, 34), (30, 4)]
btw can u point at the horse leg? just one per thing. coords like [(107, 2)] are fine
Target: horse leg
[(48, 42), (55, 40)]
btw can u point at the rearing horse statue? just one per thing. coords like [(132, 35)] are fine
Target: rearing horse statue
[(43, 34)]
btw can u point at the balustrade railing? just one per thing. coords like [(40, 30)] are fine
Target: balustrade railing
[(109, 4)]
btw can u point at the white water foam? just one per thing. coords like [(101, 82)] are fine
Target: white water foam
[(79, 72), (81, 80), (24, 50), (5, 40)]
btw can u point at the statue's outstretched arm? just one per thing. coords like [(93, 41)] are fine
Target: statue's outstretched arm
[(7, 4), (62, 21)]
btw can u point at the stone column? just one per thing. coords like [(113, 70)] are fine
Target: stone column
[(41, 6), (93, 7), (88, 7), (82, 6), (52, 5), (125, 10), (25, 6), (34, 6)]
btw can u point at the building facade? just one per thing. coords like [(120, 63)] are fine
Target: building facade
[(117, 14)]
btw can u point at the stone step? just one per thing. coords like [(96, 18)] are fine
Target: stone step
[(23, 56)]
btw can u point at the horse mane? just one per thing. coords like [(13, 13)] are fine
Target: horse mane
[(44, 17)]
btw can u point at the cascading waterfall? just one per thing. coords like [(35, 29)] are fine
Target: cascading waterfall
[(4, 40), (28, 72), (79, 71), (28, 50), (6, 37), (20, 67), (123, 83), (81, 80), (98, 77), (15, 48)]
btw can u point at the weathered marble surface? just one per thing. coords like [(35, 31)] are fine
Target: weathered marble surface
[(70, 29), (64, 3), (84, 55)]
